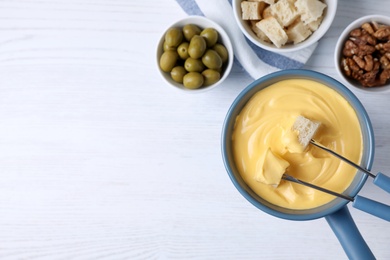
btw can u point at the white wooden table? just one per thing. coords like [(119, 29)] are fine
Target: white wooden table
[(99, 159)]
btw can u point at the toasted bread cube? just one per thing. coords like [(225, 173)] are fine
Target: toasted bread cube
[(270, 168), (267, 12), (310, 10), (284, 12), (306, 130), (259, 33), (298, 32), (270, 2), (273, 30), (313, 26), (252, 10)]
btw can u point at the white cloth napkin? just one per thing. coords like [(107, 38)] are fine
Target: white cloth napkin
[(255, 60)]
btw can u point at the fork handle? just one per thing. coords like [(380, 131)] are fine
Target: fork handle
[(382, 181), (372, 207)]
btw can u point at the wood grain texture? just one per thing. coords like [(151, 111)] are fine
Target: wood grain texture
[(100, 160)]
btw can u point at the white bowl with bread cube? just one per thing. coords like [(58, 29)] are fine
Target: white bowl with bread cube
[(284, 25)]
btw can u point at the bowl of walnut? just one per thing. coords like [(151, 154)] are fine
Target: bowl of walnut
[(362, 55), (284, 25)]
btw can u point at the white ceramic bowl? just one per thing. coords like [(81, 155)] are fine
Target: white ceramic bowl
[(203, 23), (339, 48), (329, 14)]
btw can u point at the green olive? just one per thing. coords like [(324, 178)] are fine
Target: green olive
[(189, 30), (219, 70), (210, 77), (212, 60), (182, 50), (193, 80), (211, 36), (222, 52), (197, 47), (177, 73), (173, 37), (168, 60), (193, 65), (166, 47)]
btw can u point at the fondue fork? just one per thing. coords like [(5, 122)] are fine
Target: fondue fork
[(307, 129), (287, 177), (372, 207), (380, 180)]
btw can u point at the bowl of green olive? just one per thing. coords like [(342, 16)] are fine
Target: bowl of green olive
[(194, 54)]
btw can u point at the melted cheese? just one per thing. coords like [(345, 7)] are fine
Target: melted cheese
[(264, 125)]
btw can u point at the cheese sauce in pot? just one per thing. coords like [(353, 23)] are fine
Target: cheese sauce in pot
[(266, 120)]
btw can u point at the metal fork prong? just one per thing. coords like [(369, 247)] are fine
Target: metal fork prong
[(293, 179)]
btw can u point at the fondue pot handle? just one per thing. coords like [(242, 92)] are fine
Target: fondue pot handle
[(372, 207), (348, 235), (382, 181)]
